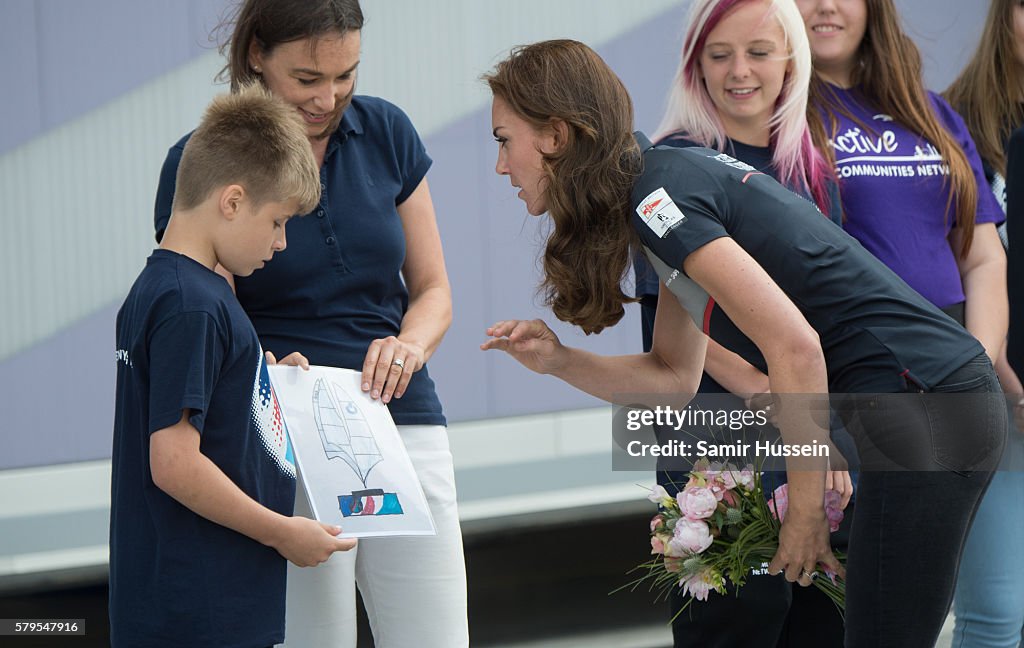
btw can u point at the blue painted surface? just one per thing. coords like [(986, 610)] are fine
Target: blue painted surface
[(20, 116), (59, 59), (460, 370), (57, 397)]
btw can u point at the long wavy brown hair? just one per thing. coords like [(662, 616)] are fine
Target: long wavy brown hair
[(989, 91), (589, 177), (889, 76)]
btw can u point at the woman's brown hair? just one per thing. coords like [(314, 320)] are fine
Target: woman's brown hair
[(988, 93), (268, 23), (888, 75), (589, 178)]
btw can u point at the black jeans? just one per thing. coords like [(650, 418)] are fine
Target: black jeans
[(926, 460)]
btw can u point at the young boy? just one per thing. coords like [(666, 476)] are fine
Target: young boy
[(203, 474)]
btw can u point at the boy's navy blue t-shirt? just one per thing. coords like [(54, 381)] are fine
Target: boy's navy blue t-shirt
[(178, 579)]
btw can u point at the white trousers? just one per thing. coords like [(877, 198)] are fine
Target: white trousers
[(414, 588)]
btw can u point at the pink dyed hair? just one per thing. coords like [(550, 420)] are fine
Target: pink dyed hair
[(690, 110)]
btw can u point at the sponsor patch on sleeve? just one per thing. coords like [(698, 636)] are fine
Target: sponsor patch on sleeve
[(660, 213), (728, 160)]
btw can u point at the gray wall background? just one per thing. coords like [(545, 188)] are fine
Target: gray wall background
[(95, 92)]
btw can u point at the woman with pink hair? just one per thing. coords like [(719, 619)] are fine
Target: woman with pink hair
[(743, 78)]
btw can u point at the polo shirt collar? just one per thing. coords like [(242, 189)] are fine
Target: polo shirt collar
[(350, 122), (350, 125)]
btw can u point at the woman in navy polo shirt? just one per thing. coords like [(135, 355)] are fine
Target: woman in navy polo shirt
[(363, 285), (759, 48), (916, 391)]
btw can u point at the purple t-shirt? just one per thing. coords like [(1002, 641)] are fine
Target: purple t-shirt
[(892, 186)]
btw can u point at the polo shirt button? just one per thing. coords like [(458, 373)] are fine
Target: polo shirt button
[(320, 213), (330, 240)]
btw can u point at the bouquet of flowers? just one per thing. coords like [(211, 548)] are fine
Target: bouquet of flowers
[(721, 527)]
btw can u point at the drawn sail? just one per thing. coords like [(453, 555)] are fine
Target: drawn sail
[(344, 432)]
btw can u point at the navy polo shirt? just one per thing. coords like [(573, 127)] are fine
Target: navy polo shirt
[(726, 333), (338, 285), (875, 330), (759, 157)]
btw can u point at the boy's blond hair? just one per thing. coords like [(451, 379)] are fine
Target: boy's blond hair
[(252, 139)]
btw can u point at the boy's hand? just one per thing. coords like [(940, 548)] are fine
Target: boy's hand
[(295, 359), (308, 543)]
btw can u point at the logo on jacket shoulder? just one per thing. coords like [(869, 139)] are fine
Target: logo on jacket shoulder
[(659, 212), (728, 160)]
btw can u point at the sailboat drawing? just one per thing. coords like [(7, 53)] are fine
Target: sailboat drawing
[(346, 435)]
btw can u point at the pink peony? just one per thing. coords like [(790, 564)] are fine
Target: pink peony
[(746, 478), (730, 499), (713, 470), (657, 521), (727, 478), (699, 584), (833, 511), (697, 503), (690, 537), (668, 548), (780, 503), (701, 467)]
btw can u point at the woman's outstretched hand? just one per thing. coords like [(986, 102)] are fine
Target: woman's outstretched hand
[(530, 342)]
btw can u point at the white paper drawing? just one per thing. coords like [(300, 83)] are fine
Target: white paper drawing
[(352, 463), (346, 435)]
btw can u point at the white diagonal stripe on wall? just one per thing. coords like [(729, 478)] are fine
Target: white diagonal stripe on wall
[(78, 200)]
